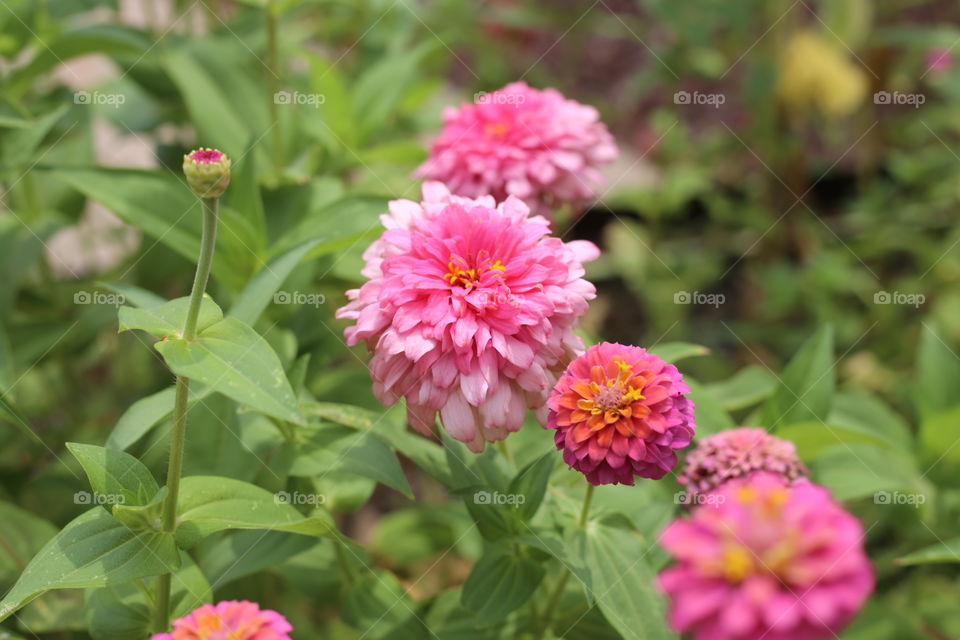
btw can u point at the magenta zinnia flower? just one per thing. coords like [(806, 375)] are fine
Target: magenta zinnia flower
[(229, 620), (536, 145), (469, 311), (620, 412), (766, 560), (736, 453)]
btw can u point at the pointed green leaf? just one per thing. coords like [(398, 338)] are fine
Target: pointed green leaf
[(805, 390), (941, 552), (169, 318), (938, 374), (500, 582), (235, 360), (93, 550), (259, 291), (115, 473)]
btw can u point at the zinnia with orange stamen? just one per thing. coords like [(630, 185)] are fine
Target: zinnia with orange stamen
[(229, 620), (620, 412)]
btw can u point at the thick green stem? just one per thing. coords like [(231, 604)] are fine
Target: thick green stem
[(273, 78), (177, 439), (562, 583)]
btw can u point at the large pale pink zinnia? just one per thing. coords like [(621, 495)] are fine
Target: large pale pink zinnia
[(469, 312), (619, 412), (536, 145), (766, 560), (229, 620)]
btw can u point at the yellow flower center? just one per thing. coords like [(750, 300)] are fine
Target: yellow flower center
[(459, 272)]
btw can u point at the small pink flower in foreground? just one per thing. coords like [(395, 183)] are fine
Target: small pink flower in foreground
[(736, 453), (229, 620), (207, 172), (619, 412), (766, 560), (469, 311), (536, 145)]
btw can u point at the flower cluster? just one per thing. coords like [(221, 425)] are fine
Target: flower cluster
[(536, 145), (620, 412), (736, 453), (229, 620), (469, 311), (766, 560)]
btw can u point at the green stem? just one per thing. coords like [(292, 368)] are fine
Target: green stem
[(177, 440), (562, 583), (348, 575), (273, 79)]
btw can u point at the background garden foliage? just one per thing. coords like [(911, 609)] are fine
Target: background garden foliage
[(780, 224)]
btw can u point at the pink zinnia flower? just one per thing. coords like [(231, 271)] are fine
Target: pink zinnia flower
[(939, 59), (766, 560), (620, 412), (736, 453), (469, 311), (536, 145), (229, 620)]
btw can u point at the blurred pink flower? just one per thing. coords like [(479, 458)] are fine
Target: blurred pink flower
[(620, 411), (469, 310), (735, 453), (765, 560), (229, 620), (536, 145), (939, 59)]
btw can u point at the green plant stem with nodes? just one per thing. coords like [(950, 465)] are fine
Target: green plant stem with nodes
[(562, 583), (207, 244)]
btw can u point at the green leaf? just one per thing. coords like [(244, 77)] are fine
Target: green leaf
[(862, 412), (938, 375), (146, 413), (938, 443), (20, 538), (380, 606), (233, 556), (941, 552), (500, 582), (136, 296), (531, 483), (711, 418), (168, 319), (379, 89), (235, 360), (115, 473), (744, 389), (339, 449), (623, 582), (209, 503), (805, 391), (858, 470), (673, 352), (345, 414), (124, 611), (261, 289), (93, 550)]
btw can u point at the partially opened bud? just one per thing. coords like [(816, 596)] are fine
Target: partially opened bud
[(207, 172)]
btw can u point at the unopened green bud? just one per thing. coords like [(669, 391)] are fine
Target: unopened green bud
[(207, 171)]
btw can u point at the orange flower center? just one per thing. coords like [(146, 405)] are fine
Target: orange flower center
[(495, 129), (611, 399)]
